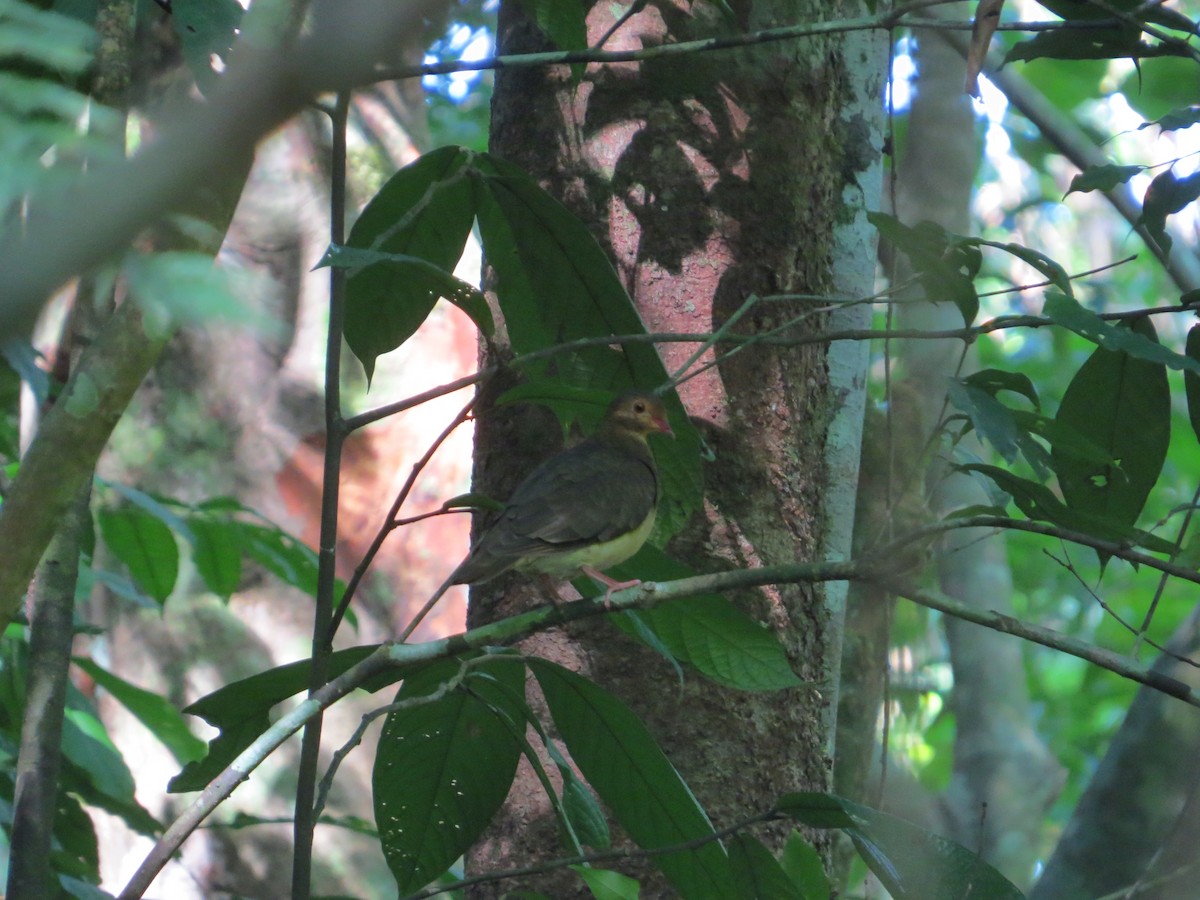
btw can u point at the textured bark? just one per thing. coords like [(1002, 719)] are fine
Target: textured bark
[(707, 180)]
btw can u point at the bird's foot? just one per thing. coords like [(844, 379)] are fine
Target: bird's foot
[(610, 583)]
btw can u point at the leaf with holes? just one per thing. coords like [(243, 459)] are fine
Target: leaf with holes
[(434, 790)]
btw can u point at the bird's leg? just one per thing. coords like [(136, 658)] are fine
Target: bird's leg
[(610, 583)]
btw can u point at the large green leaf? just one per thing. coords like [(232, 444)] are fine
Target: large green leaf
[(707, 631), (425, 211), (241, 712), (627, 768), (1122, 404), (145, 545), (443, 768)]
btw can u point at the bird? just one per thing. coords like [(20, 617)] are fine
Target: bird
[(585, 509), (582, 510)]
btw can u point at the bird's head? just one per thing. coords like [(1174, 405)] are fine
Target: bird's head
[(639, 413)]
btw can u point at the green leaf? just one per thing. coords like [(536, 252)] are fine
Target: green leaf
[(1119, 42), (757, 873), (707, 631), (434, 791), (996, 423), (1176, 119), (424, 211), (153, 505), (145, 545), (1167, 195), (946, 264), (1051, 270), (418, 275), (1191, 381), (1103, 178), (816, 810), (608, 885), (804, 866), (1137, 342), (1122, 404), (94, 768), (280, 553), (619, 758), (162, 719), (241, 712), (23, 358), (217, 554), (995, 380)]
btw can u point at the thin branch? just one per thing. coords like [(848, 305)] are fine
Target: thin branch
[(1055, 640), (392, 522), (335, 437)]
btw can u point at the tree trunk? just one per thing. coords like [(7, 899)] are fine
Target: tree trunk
[(708, 180)]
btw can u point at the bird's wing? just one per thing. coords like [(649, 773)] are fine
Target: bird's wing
[(589, 494)]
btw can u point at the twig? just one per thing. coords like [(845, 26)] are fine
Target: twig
[(335, 437), (391, 523)]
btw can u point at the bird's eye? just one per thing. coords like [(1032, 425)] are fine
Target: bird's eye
[(639, 407)]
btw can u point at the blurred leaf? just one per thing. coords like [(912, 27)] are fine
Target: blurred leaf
[(434, 791), (1167, 195), (217, 554), (707, 631), (561, 20), (1122, 404), (424, 211), (947, 266), (206, 28), (619, 758), (1176, 119), (910, 862), (996, 424), (162, 719), (146, 547), (1103, 178), (188, 288), (1118, 42)]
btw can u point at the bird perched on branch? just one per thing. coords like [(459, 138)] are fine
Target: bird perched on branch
[(580, 511), (584, 509)]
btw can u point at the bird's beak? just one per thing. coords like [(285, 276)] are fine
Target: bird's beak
[(664, 426)]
